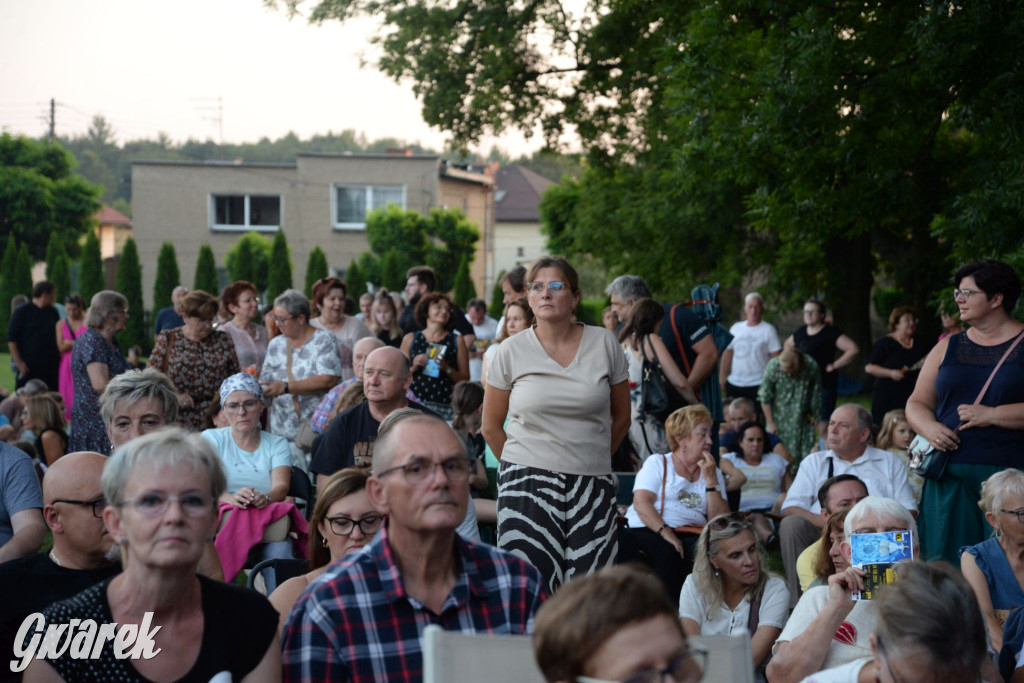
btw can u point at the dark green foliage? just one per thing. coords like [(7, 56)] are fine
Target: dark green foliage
[(279, 273), (129, 283), (23, 271), (452, 239), (167, 277), (206, 271), (497, 305), (249, 259), (356, 280), (589, 310), (369, 269), (7, 285), (40, 196), (57, 267), (392, 273), (316, 268), (91, 273), (463, 290)]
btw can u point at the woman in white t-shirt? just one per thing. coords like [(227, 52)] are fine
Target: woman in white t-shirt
[(679, 489), (564, 388), (767, 478), (729, 578)]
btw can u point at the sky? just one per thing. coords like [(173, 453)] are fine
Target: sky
[(151, 67)]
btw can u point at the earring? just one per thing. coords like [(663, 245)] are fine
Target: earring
[(324, 542), (716, 571)]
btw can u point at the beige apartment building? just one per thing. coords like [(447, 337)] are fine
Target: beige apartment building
[(320, 200)]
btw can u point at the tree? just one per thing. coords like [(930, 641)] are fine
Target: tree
[(356, 280), (279, 272), (464, 289), (206, 271), (129, 283), (452, 238), (8, 288), (497, 306), (249, 258), (91, 274), (23, 271), (316, 268), (40, 195), (57, 266), (167, 277)]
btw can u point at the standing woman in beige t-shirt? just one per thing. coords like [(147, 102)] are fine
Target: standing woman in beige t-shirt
[(564, 388)]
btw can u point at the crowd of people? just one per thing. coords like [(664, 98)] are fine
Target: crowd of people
[(419, 426)]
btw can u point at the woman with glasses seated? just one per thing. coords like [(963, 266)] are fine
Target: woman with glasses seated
[(258, 469), (564, 388), (439, 356), (343, 521), (162, 491), (614, 625), (730, 588)]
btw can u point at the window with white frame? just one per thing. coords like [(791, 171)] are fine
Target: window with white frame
[(351, 202), (245, 212)]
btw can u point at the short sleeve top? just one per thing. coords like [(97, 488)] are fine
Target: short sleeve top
[(249, 469), (686, 502), (559, 418), (773, 612)]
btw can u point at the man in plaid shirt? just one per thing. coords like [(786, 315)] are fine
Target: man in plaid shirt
[(362, 620)]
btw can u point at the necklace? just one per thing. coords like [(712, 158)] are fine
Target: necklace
[(53, 557)]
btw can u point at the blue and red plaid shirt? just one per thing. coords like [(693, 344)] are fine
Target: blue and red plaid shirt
[(322, 414), (357, 623)]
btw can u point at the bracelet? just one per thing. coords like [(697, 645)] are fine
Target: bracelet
[(709, 489), (286, 387), (661, 528)]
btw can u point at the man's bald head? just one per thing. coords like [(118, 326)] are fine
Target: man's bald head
[(360, 350), (72, 475)]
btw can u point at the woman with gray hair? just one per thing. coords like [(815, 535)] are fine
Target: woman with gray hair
[(992, 567), (161, 491), (302, 365), (95, 359), (138, 402)]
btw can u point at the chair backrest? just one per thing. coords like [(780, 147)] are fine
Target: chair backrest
[(301, 487), (453, 657), (282, 569), (728, 658)]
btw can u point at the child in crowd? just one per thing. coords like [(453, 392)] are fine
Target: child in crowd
[(895, 436)]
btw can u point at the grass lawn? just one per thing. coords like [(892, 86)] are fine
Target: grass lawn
[(6, 376)]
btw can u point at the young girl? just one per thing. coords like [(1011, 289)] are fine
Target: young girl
[(895, 436), (383, 319), (467, 412)]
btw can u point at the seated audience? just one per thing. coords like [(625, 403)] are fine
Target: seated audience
[(992, 567), (839, 493), (741, 411), (849, 432), (828, 627), (360, 350), (46, 420), (828, 558), (467, 414), (21, 502), (679, 489), (159, 487), (416, 571), (343, 521), (928, 628), (767, 476), (730, 588), (83, 552), (614, 625)]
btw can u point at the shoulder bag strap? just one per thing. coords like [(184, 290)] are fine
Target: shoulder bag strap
[(167, 354), (755, 611), (831, 467), (291, 379), (682, 351), (661, 510), (998, 365)]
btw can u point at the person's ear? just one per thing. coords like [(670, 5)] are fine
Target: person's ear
[(990, 517), (996, 301), (378, 496), (52, 518), (112, 520), (847, 550)]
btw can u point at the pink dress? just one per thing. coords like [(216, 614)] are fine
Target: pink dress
[(66, 383)]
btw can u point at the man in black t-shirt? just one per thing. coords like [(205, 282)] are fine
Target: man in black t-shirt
[(83, 553), (421, 280), (348, 441), (32, 337)]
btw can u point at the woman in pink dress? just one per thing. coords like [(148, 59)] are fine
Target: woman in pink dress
[(67, 332)]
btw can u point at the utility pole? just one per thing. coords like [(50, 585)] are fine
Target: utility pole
[(219, 118), (53, 122)]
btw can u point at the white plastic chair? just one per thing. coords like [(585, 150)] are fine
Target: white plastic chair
[(454, 657)]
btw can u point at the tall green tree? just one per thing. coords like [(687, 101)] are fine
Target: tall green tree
[(57, 266), (316, 268), (356, 280), (206, 271), (279, 272), (167, 277), (453, 238), (91, 273), (464, 290), (129, 283), (8, 288), (392, 271), (249, 259), (23, 271), (497, 305), (41, 196)]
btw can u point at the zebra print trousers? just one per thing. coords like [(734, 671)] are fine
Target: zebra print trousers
[(562, 524)]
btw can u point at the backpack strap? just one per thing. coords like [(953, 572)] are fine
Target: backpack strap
[(679, 345)]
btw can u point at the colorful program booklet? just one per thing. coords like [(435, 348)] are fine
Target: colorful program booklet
[(876, 555)]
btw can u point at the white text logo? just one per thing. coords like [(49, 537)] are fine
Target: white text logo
[(82, 640)]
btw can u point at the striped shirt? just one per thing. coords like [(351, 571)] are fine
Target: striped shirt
[(357, 623)]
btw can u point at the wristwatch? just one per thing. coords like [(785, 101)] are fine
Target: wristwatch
[(709, 489), (661, 528), (286, 386)]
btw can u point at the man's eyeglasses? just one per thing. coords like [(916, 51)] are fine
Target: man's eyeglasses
[(343, 526), (97, 505), (234, 407), (555, 287), (153, 504), (420, 470), (965, 293), (686, 668)]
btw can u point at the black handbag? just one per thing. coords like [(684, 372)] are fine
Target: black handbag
[(657, 395)]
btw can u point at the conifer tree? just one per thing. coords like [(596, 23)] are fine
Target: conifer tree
[(497, 306), (464, 289), (279, 275), (206, 271), (23, 271), (91, 273), (57, 267), (356, 280), (7, 286), (316, 269), (129, 283), (167, 277)]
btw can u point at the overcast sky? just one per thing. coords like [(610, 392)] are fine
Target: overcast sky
[(152, 67)]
